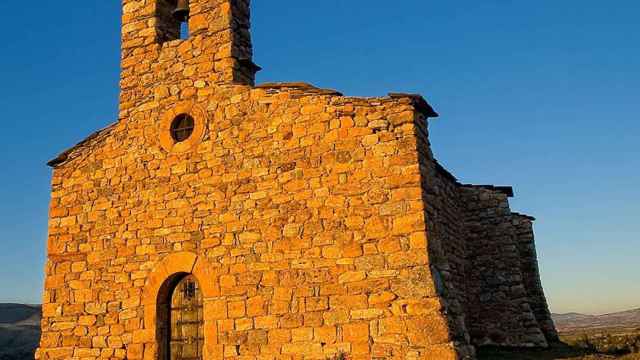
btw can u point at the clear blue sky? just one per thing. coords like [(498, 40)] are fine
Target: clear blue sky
[(542, 95)]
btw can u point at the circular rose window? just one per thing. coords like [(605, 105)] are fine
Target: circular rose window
[(182, 127)]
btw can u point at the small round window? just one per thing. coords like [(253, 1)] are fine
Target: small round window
[(182, 127)]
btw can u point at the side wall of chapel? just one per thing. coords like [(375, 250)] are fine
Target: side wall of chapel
[(499, 308), (523, 227), (484, 261)]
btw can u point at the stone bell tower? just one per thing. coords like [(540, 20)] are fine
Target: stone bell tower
[(157, 60)]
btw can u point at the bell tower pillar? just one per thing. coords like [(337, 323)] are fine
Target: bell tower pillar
[(156, 54)]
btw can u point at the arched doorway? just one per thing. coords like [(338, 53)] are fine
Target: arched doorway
[(180, 320)]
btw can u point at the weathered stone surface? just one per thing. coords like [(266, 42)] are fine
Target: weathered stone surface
[(316, 224)]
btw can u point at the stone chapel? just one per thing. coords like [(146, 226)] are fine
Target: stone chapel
[(220, 219)]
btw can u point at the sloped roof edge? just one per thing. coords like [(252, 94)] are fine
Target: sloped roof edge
[(507, 190), (302, 86), (419, 102), (528, 217), (64, 156)]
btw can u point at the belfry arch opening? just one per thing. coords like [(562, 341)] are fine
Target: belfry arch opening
[(180, 319), (173, 20)]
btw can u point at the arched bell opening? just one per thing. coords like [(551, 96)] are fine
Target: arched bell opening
[(180, 319), (173, 19)]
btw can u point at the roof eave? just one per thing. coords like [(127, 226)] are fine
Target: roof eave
[(64, 156), (419, 102)]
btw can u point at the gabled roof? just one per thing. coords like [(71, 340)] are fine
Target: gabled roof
[(299, 87), (64, 156)]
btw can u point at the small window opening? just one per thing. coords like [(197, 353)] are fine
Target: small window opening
[(182, 127)]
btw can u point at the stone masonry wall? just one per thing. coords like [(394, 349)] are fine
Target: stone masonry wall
[(523, 226), (482, 255), (445, 217), (306, 208), (499, 311)]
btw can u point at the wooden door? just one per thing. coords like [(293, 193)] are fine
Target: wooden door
[(186, 321)]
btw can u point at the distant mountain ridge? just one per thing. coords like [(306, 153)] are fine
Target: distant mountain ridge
[(18, 313), (19, 331), (576, 321)]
